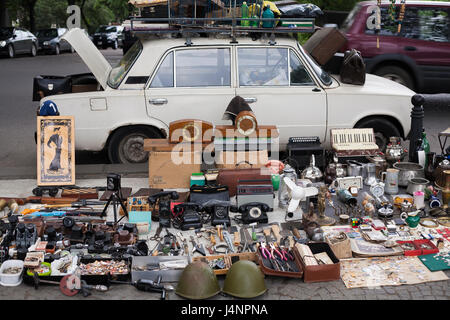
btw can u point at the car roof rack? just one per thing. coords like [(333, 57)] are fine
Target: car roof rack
[(230, 26)]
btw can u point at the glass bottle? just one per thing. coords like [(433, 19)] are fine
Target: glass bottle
[(244, 15), (425, 146)]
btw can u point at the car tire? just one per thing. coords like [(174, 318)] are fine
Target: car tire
[(11, 51), (127, 144), (383, 129), (33, 51), (57, 50), (115, 45), (396, 74)]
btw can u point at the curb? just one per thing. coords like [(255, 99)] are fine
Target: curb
[(85, 171)]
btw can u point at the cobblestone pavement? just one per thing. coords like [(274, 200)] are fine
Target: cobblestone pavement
[(279, 289)]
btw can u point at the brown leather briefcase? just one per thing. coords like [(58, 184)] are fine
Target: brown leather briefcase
[(230, 177)]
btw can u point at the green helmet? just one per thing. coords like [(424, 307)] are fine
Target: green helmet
[(198, 281), (244, 280)]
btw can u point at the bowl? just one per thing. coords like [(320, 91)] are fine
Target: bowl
[(14, 279)]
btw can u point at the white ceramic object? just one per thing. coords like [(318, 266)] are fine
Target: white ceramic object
[(11, 280)]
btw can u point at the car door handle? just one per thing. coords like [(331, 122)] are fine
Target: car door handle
[(316, 90), (410, 48), (158, 101), (250, 100)]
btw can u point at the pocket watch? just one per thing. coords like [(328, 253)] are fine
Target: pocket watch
[(377, 189)]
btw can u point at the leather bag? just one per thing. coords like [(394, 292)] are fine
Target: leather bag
[(353, 69), (231, 177)]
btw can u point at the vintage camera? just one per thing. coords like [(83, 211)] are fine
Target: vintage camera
[(113, 182), (254, 212), (187, 216), (164, 212), (219, 211), (26, 235)]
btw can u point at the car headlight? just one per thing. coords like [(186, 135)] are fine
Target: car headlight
[(46, 43), (2, 43)]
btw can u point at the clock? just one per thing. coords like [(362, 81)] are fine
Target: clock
[(348, 182), (246, 123), (190, 130), (377, 189)]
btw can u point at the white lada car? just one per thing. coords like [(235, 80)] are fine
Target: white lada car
[(161, 80)]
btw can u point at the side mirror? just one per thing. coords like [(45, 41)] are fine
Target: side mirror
[(14, 36)]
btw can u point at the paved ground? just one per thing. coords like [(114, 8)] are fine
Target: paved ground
[(278, 288)]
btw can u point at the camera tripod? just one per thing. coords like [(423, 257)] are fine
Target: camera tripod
[(116, 199)]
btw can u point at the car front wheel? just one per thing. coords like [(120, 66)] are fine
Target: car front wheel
[(11, 52), (127, 144), (33, 51), (383, 129)]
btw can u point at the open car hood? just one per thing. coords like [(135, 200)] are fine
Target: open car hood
[(90, 55)]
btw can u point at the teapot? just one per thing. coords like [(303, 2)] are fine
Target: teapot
[(411, 218)]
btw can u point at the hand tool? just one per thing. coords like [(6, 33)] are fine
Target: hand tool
[(254, 238), (156, 236), (236, 236), (250, 241), (267, 233), (276, 231), (197, 247), (185, 244), (244, 241), (147, 285), (228, 241), (219, 232)]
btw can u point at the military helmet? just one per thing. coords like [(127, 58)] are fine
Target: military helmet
[(244, 280), (198, 281)]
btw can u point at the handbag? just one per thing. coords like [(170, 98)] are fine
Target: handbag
[(231, 177), (353, 69), (204, 194)]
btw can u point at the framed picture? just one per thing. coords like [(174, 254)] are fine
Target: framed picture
[(55, 151)]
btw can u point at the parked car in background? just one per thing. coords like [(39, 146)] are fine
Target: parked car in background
[(50, 41), (14, 41), (161, 80), (418, 56), (107, 36)]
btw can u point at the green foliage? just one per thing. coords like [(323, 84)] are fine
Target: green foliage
[(49, 13)]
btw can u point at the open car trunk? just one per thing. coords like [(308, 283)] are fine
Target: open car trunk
[(46, 85)]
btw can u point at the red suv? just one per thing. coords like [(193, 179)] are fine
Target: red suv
[(417, 57)]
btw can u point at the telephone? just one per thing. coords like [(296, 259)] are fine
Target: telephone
[(164, 213), (187, 216), (219, 211), (254, 212)]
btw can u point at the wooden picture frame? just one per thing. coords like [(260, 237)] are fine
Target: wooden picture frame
[(55, 151)]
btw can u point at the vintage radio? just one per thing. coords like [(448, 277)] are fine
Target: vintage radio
[(248, 191), (300, 149), (353, 143), (190, 130)]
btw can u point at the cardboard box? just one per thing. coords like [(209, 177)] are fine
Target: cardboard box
[(244, 159), (324, 43), (172, 170)]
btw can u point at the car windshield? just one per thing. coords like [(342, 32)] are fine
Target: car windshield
[(47, 33), (105, 29), (121, 69), (323, 75), (350, 18), (6, 32)]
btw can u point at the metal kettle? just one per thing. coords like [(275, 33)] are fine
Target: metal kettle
[(312, 172)]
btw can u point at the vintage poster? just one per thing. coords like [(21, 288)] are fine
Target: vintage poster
[(55, 151)]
